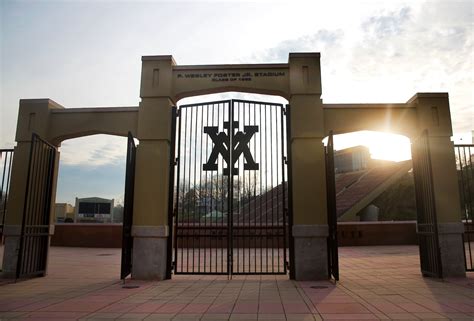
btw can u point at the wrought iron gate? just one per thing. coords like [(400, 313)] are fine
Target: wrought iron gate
[(231, 214), (333, 252), (34, 238), (6, 159), (465, 168), (127, 239), (427, 226)]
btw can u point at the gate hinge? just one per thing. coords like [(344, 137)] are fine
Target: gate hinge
[(178, 112), (176, 161), (285, 160)]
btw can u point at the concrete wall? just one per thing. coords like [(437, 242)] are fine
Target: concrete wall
[(376, 233), (349, 234), (87, 235)]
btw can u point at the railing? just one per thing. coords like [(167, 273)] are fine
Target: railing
[(464, 160), (6, 159)]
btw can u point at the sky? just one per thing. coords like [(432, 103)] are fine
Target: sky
[(88, 53)]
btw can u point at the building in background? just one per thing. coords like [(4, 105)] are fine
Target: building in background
[(94, 210), (351, 159), (117, 214), (64, 213)]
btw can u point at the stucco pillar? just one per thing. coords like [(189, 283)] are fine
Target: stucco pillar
[(150, 224), (310, 229), (434, 114), (33, 117)]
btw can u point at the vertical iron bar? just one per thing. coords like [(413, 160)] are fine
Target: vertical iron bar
[(207, 199), (463, 202), (41, 205), (199, 168), (260, 236), (43, 215), (434, 214), (255, 186), (468, 200), (230, 199), (32, 213), (239, 222), (176, 214), (48, 206), (194, 187), (184, 238), (1, 188), (290, 192), (171, 182), (7, 191), (212, 239), (283, 189), (222, 197), (248, 196), (266, 188)]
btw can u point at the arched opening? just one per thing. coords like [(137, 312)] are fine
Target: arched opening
[(231, 187), (88, 211), (376, 205), (232, 95)]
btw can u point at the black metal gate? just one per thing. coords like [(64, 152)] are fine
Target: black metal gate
[(464, 160), (6, 159), (427, 226), (34, 238), (333, 252), (127, 239), (231, 214)]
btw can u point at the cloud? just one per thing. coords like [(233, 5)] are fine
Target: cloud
[(392, 54), (321, 40), (94, 151), (431, 50), (379, 26)]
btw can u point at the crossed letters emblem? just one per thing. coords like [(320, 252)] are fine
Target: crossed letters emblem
[(240, 146)]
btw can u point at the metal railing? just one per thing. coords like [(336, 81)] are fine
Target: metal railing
[(6, 160), (464, 159)]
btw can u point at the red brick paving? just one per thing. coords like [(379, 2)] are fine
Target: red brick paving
[(377, 283)]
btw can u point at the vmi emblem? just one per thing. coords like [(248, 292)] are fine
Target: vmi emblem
[(240, 146)]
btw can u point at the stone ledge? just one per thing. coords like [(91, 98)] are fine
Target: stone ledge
[(150, 231), (310, 231)]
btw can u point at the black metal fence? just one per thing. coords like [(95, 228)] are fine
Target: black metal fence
[(427, 226), (127, 239), (333, 251), (231, 214), (464, 159), (34, 239), (6, 160)]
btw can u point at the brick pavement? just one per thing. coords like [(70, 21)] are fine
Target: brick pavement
[(377, 283)]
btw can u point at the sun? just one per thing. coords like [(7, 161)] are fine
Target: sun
[(384, 146)]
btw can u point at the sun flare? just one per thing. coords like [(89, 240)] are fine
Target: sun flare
[(384, 146)]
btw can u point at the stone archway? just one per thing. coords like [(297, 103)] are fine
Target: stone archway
[(163, 83)]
